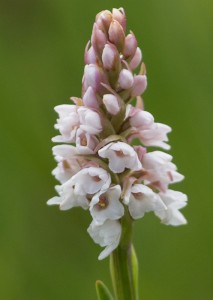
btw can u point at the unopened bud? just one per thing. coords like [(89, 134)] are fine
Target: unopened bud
[(90, 99), (89, 55), (125, 79), (98, 39), (103, 20), (141, 151), (130, 45), (116, 35), (136, 59), (139, 85), (141, 119), (111, 104), (119, 15), (92, 77), (110, 57)]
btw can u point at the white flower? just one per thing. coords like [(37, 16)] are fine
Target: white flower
[(106, 235), (67, 123), (144, 128), (160, 170), (85, 143), (174, 201), (141, 199), (68, 165), (120, 156), (90, 120), (68, 199), (90, 181), (106, 205), (156, 136)]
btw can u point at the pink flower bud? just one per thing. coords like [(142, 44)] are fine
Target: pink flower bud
[(116, 35), (141, 119), (125, 79), (89, 55), (93, 76), (139, 86), (110, 57), (111, 104), (136, 59), (103, 20), (141, 151), (98, 39), (90, 98), (119, 15), (130, 45)]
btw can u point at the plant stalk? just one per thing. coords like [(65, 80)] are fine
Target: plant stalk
[(123, 264)]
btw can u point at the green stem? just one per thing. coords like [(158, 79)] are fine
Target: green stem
[(123, 264)]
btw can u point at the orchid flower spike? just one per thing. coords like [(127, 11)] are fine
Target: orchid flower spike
[(98, 166)]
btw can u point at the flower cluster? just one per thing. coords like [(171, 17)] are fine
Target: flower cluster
[(97, 167)]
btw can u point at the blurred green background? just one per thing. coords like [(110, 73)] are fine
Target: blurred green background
[(46, 254)]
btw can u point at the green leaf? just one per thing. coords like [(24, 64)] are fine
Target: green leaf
[(102, 291)]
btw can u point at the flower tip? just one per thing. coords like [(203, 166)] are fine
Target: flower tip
[(120, 16), (116, 35)]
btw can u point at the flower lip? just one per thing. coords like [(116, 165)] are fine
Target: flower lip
[(105, 205), (90, 180), (103, 202), (120, 156)]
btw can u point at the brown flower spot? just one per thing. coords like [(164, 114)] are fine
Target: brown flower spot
[(119, 153), (137, 196), (96, 178), (102, 201), (65, 164), (83, 140)]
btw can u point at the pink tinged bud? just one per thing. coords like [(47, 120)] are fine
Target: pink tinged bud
[(98, 39), (125, 79), (139, 86), (134, 63), (92, 77), (90, 99), (103, 20), (119, 15), (116, 35), (110, 56), (141, 120), (130, 45), (141, 151), (89, 55), (111, 104)]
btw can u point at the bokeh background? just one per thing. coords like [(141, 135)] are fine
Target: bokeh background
[(46, 254)]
